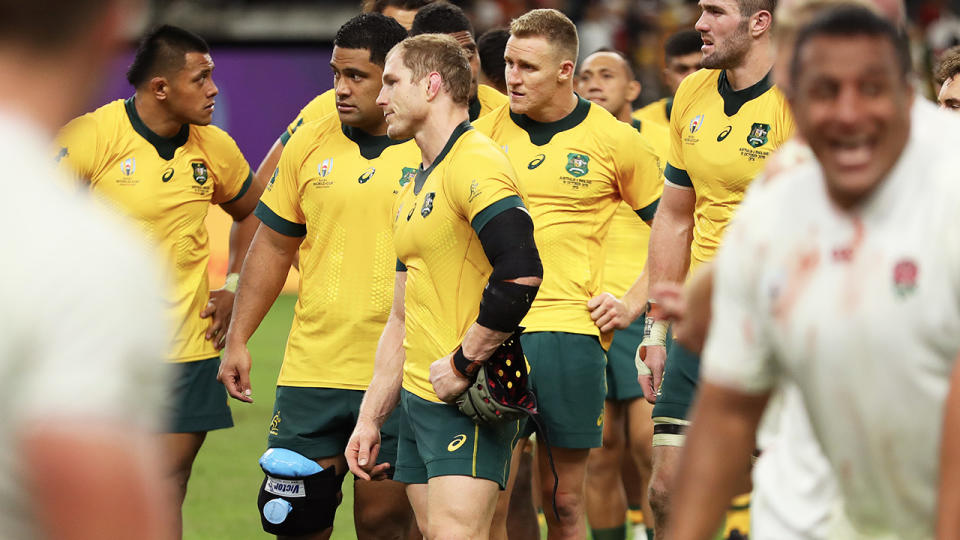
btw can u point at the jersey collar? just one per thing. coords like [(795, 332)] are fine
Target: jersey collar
[(165, 147), (541, 132), (371, 146), (637, 124), (733, 100), (423, 174)]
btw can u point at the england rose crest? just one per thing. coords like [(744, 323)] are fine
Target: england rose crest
[(905, 277)]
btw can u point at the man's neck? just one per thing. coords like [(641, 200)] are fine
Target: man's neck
[(436, 130), (563, 103), (625, 114), (754, 67), (155, 117)]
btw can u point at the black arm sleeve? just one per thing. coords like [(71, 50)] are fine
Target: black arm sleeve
[(507, 240)]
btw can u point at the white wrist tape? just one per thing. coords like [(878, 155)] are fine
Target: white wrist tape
[(231, 282), (654, 335)]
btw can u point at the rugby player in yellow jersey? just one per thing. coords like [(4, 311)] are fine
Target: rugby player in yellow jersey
[(617, 472), (577, 162), (156, 157), (467, 271), (331, 199), (681, 57), (726, 120)]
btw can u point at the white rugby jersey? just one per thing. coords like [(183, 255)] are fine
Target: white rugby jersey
[(861, 309)]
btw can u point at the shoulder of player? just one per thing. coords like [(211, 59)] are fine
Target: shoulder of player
[(108, 118), (477, 147), (312, 130), (319, 107), (491, 97), (609, 133), (493, 120), (694, 84)]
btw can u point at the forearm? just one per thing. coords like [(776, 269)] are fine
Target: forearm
[(716, 455), (636, 296), (383, 394), (241, 236), (261, 280), (669, 254), (948, 499)]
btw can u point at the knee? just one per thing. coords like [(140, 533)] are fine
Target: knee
[(382, 520), (569, 505), (658, 493)]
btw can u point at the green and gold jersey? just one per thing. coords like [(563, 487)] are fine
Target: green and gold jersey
[(487, 100), (657, 112), (629, 236), (436, 220), (720, 141), (575, 172), (166, 187), (335, 187)]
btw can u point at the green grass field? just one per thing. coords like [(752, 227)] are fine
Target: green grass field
[(222, 497)]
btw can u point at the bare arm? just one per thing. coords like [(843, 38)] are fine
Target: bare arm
[(717, 453), (383, 394), (92, 480), (948, 499), (688, 308), (261, 279)]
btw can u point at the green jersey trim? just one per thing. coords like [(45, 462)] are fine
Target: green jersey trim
[(401, 267), (484, 216), (423, 174), (637, 124), (677, 176), (541, 132), (371, 146), (165, 147), (277, 223), (669, 107), (244, 187), (733, 100), (647, 212)]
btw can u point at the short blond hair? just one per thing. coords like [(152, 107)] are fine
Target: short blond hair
[(440, 53), (551, 25)]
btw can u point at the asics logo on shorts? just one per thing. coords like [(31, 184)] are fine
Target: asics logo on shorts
[(456, 443)]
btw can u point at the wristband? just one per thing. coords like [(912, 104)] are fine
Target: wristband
[(231, 282), (463, 367)]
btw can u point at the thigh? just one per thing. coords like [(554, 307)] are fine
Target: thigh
[(622, 382), (640, 427), (314, 422), (567, 373), (450, 444), (198, 400), (461, 506)]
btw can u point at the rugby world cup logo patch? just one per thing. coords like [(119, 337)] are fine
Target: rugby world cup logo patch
[(905, 274), (128, 167), (325, 167), (696, 123)]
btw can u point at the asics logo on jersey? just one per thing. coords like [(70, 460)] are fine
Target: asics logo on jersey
[(696, 123), (456, 443), (167, 175), (366, 175), (723, 134), (536, 161)]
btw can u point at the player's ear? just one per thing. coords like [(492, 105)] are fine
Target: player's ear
[(633, 90), (568, 71), (434, 84), (158, 87), (760, 22)]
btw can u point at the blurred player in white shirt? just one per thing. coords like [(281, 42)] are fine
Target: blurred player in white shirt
[(816, 267)]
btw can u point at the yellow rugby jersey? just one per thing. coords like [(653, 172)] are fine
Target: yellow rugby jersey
[(629, 236), (436, 219), (487, 100), (720, 141), (657, 112), (166, 186), (575, 172), (335, 187)]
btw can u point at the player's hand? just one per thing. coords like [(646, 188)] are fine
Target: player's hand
[(362, 450), (218, 309), (655, 358), (446, 382), (235, 371), (610, 313)]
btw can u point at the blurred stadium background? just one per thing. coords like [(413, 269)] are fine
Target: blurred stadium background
[(271, 58)]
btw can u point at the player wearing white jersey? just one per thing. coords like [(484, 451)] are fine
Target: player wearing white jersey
[(815, 263)]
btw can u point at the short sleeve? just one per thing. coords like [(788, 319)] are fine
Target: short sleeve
[(489, 190), (317, 108), (279, 206), (77, 148), (675, 170), (638, 175), (738, 353), (233, 175)]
